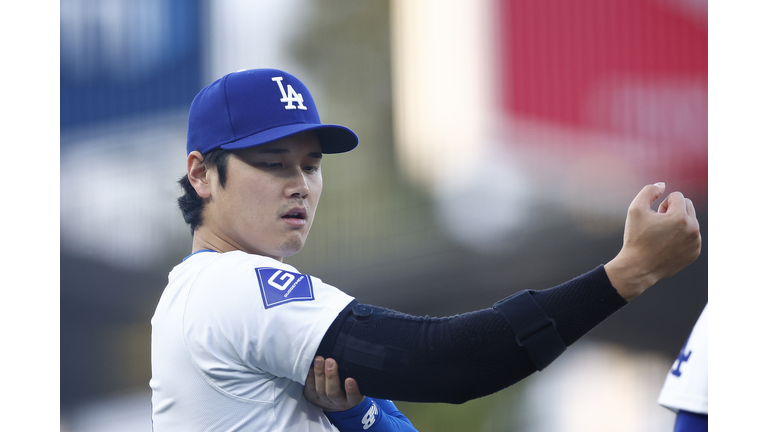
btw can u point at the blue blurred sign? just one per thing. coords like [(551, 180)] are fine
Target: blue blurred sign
[(122, 58)]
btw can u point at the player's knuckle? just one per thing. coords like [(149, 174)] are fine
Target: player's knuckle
[(679, 218), (678, 196), (635, 211)]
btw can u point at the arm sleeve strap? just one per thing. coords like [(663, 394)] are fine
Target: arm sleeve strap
[(534, 330), (454, 359)]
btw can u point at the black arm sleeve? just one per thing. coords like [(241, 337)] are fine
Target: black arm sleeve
[(455, 359)]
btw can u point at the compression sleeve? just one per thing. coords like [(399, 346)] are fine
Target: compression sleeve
[(455, 359), (372, 415)]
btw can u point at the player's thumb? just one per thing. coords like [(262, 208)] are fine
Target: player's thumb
[(353, 391)]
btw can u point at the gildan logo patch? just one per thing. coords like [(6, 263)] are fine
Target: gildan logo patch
[(279, 286)]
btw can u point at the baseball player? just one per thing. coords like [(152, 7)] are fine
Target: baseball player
[(236, 329), (686, 388)]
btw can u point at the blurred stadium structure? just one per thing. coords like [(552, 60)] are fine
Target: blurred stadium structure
[(501, 142)]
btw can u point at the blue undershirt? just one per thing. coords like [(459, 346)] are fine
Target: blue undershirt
[(691, 422)]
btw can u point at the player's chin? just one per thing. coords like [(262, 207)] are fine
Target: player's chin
[(292, 245)]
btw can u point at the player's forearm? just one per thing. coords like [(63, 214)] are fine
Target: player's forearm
[(401, 357), (580, 304)]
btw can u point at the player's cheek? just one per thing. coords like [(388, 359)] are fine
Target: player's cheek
[(317, 183)]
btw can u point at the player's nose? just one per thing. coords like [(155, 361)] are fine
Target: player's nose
[(297, 186)]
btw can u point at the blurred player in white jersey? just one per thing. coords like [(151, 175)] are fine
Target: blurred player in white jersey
[(686, 389)]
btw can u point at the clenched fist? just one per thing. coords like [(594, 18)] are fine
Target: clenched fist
[(657, 244)]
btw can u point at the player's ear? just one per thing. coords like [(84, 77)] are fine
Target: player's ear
[(199, 175)]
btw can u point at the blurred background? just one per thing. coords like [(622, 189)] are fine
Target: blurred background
[(501, 143)]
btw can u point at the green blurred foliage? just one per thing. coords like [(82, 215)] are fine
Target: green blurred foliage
[(497, 412)]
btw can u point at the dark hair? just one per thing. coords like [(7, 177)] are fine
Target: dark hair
[(190, 203)]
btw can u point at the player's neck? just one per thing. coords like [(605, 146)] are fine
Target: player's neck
[(204, 239)]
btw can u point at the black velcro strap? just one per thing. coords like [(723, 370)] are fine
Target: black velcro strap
[(375, 356), (534, 330), (350, 349)]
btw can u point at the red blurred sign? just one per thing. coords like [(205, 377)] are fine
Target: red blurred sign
[(632, 70)]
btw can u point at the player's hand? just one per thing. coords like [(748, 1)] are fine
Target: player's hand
[(324, 390), (657, 244)]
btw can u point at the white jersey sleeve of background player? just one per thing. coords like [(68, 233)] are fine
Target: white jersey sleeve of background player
[(686, 386), (233, 339)]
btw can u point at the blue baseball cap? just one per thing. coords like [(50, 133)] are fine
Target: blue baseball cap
[(257, 106)]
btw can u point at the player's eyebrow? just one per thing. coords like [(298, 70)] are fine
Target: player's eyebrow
[(272, 150), (278, 150)]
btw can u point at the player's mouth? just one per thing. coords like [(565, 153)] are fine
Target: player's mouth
[(295, 217)]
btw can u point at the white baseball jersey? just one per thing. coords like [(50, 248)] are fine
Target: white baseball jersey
[(233, 339), (686, 386)]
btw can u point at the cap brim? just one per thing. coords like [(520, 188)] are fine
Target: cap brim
[(333, 138)]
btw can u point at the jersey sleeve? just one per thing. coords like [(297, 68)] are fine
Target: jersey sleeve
[(686, 385), (371, 415), (247, 315)]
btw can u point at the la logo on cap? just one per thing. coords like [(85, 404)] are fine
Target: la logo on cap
[(291, 96)]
